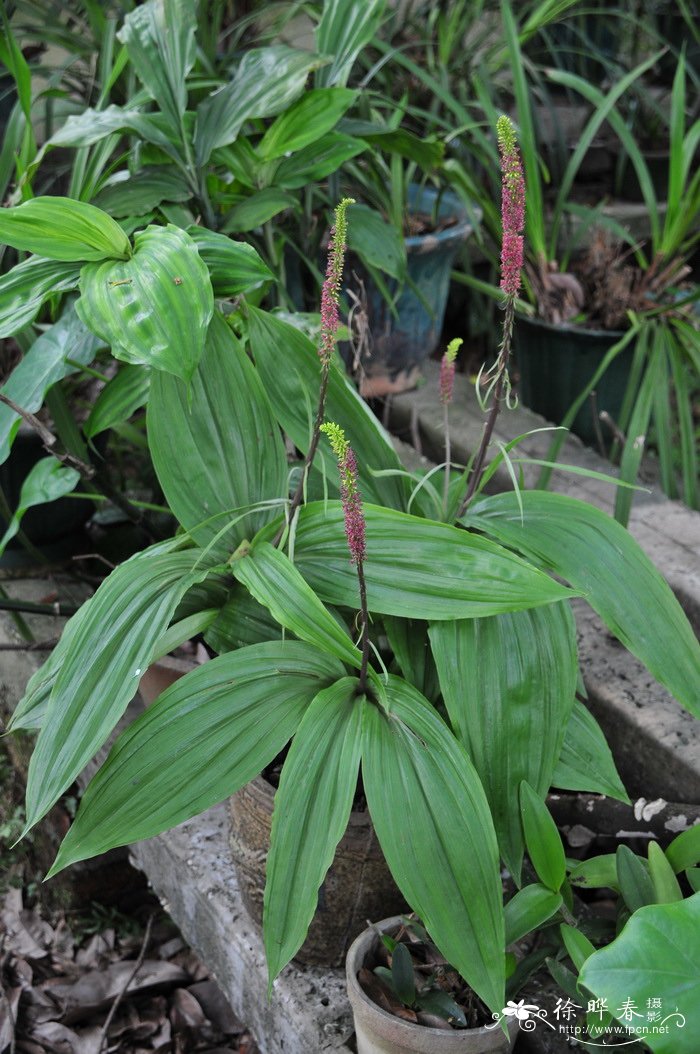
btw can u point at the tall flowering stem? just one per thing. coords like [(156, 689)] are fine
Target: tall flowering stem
[(447, 380), (330, 321), (354, 527), (512, 252)]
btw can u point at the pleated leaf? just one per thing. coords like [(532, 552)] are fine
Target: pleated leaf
[(136, 193), (41, 367), (91, 126), (293, 392), (240, 622), (346, 27), (216, 447), (508, 683), (221, 724), (275, 582), (266, 82), (160, 40), (306, 121), (433, 822), (27, 286), (415, 568), (657, 955), (119, 399), (599, 557), (585, 762), (110, 647), (63, 229), (312, 809), (155, 308), (318, 160), (234, 267)]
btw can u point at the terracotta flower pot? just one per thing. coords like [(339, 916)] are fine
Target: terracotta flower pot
[(357, 887), (378, 1032)]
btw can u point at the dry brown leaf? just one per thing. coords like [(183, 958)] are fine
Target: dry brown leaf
[(216, 1007), (27, 935), (98, 989), (185, 1011)]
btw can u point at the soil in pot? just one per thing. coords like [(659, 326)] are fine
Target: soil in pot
[(391, 345), (358, 885), (386, 1025)]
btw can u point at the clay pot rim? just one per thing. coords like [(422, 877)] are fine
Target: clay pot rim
[(402, 1029)]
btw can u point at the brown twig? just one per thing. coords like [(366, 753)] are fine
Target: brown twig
[(137, 966)]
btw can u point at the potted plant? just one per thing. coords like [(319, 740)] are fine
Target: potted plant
[(645, 339), (381, 607)]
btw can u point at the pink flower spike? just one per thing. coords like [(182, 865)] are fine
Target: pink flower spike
[(330, 294), (349, 491), (447, 370), (512, 207)]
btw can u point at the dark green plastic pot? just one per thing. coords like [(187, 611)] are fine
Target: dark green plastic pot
[(557, 362), (402, 341)]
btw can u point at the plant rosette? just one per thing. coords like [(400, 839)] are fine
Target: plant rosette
[(379, 1031)]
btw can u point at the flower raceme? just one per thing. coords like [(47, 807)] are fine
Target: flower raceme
[(349, 491), (447, 370), (330, 294), (512, 207)]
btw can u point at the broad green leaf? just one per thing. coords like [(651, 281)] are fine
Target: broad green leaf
[(234, 267), (256, 210), (27, 286), (46, 481), (544, 844), (312, 809), (664, 881), (135, 193), (434, 826), (63, 229), (577, 944), (293, 393), (600, 558), (409, 642), (266, 82), (91, 126), (508, 683), (684, 850), (585, 762), (633, 879), (599, 872), (346, 27), (657, 955), (275, 582), (221, 434), (155, 308), (240, 622), (305, 122), (530, 908), (159, 37), (119, 399), (375, 241), (415, 568), (221, 724), (110, 648), (317, 161), (41, 367)]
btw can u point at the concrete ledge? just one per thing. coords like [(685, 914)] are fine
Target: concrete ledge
[(191, 870)]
